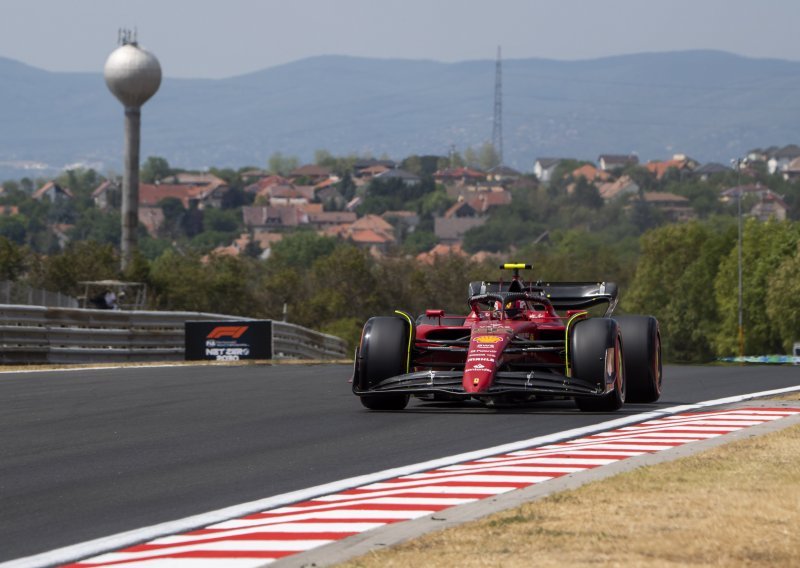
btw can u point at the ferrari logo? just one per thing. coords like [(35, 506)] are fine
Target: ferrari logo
[(488, 339), (475, 381)]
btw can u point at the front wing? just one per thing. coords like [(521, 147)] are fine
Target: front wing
[(505, 382)]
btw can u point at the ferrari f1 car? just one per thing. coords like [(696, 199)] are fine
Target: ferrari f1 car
[(519, 342)]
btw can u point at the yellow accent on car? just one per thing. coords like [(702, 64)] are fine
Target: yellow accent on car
[(410, 339), (568, 370), (488, 339), (515, 265)]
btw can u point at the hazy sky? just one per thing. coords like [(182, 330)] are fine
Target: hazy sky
[(221, 38)]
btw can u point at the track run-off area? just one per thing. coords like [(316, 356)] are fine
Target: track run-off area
[(131, 454)]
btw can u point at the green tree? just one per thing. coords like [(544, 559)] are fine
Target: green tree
[(765, 247), (674, 281), (13, 228), (97, 226), (153, 169), (12, 260), (324, 158), (419, 241), (79, 261), (174, 213), (151, 248), (586, 194), (223, 284), (221, 220), (783, 300), (488, 157), (300, 250), (435, 203), (280, 164), (471, 158), (422, 165), (209, 240)]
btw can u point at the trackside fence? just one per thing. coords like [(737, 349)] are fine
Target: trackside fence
[(19, 293), (35, 334)]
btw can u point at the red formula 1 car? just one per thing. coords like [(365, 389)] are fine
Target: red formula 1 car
[(519, 342)]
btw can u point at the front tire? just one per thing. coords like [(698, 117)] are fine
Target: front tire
[(383, 353), (642, 357), (597, 355)]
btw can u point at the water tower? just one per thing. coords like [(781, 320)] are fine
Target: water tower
[(133, 75)]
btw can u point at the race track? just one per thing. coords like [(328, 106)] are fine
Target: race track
[(85, 454)]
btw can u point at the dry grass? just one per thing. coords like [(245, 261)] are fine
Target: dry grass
[(735, 505), (790, 396)]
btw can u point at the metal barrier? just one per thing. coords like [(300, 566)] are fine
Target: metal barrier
[(34, 334)]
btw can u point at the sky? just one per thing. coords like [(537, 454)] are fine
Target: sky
[(224, 38)]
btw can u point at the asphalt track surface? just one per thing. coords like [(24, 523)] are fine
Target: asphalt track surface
[(86, 454)]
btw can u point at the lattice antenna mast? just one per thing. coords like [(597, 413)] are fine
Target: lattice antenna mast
[(497, 127)]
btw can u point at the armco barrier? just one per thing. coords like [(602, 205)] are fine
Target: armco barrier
[(34, 334), (779, 359)]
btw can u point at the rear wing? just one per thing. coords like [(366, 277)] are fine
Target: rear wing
[(562, 295)]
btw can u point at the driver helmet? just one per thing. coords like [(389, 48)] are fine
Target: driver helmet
[(513, 309)]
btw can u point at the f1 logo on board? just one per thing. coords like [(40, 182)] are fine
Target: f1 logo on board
[(232, 331)]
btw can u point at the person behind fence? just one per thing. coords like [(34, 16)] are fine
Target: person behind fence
[(105, 300), (110, 299)]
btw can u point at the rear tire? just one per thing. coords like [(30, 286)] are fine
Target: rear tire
[(643, 368), (590, 343), (383, 354)]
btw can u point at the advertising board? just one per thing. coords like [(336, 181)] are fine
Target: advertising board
[(228, 340)]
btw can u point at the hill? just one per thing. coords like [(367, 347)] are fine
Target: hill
[(710, 105)]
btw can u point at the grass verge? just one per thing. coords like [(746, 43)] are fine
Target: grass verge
[(735, 505)]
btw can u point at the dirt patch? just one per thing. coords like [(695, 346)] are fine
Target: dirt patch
[(790, 396), (735, 505)]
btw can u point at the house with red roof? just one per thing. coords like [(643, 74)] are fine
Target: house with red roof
[(107, 194), (52, 191), (589, 173), (675, 207), (311, 172), (679, 162), (151, 194), (611, 190), (459, 175)]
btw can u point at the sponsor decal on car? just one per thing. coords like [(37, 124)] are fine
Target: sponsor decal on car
[(488, 339), (484, 359)]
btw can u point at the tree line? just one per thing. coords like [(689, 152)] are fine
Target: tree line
[(684, 274)]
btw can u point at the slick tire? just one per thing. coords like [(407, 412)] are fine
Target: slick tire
[(590, 341), (643, 368), (383, 354)]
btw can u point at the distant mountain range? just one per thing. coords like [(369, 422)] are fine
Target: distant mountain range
[(710, 105)]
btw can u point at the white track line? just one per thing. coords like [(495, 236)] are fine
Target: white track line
[(129, 538)]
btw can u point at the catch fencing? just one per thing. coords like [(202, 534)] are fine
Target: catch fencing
[(34, 334), (19, 293)]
